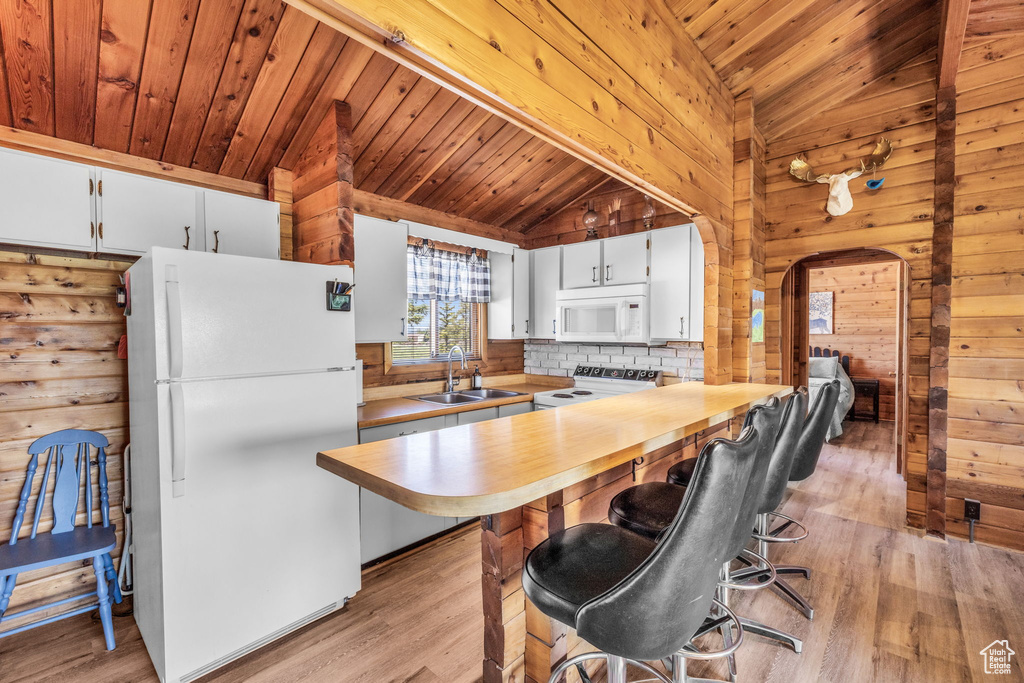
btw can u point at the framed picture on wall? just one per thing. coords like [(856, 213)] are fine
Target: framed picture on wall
[(820, 304), (757, 317)]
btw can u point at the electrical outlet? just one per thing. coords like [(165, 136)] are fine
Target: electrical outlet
[(972, 509)]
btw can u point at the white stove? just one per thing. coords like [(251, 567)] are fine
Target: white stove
[(593, 382)]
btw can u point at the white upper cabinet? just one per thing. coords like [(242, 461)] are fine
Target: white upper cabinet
[(138, 213), (522, 326), (380, 299), (508, 312), (672, 282), (499, 308), (66, 205), (625, 259), (544, 284), (696, 329), (581, 265), (46, 202), (243, 226)]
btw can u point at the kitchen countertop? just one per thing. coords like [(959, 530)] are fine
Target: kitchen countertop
[(391, 410), (496, 465)]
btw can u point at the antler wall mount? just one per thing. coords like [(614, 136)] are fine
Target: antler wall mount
[(840, 201)]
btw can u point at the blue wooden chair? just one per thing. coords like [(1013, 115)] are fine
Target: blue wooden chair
[(67, 453)]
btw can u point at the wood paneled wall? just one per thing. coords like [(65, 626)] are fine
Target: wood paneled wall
[(600, 80), (503, 357), (985, 446), (566, 226), (749, 173), (865, 323), (59, 331), (897, 218)]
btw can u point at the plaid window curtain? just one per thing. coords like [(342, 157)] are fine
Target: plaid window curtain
[(447, 276)]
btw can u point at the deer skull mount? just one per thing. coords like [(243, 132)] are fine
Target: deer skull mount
[(840, 200)]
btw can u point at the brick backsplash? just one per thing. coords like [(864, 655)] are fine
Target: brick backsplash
[(684, 360)]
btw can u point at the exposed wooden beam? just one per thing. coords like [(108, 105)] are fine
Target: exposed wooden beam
[(941, 301), (515, 65), (951, 39)]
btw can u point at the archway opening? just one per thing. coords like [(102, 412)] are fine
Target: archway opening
[(861, 310)]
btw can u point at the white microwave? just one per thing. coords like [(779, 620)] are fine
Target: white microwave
[(616, 313)]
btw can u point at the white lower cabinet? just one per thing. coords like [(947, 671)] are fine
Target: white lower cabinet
[(386, 526), (471, 416), (515, 409)]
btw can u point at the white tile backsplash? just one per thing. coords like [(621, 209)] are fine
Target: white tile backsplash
[(680, 359)]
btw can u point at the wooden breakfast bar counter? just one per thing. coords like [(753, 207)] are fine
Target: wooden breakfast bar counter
[(531, 475)]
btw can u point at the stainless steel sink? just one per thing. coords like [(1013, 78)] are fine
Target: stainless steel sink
[(491, 393), (453, 398)]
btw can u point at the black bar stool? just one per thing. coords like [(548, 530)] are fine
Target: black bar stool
[(638, 600), (647, 508), (805, 460)]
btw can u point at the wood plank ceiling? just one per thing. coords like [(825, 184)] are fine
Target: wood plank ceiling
[(802, 56), (237, 87)]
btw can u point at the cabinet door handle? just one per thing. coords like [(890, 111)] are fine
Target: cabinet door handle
[(92, 229), (100, 229), (527, 327), (595, 274), (188, 238), (682, 323), (415, 431), (607, 273), (554, 324), (216, 241), (403, 327)]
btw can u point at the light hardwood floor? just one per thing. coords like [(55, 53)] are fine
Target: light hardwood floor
[(890, 605)]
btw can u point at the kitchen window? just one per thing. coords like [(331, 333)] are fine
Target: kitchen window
[(447, 292)]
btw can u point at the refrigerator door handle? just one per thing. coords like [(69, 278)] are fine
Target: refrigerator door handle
[(177, 440), (174, 345)]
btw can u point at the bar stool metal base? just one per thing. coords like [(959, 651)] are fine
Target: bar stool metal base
[(792, 596), (765, 631), (616, 667)]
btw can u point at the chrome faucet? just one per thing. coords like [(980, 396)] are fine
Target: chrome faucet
[(452, 383)]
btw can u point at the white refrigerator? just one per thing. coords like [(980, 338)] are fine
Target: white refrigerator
[(238, 375)]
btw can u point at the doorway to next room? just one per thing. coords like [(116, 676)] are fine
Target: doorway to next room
[(854, 306)]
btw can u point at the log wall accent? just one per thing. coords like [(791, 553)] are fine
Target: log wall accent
[(748, 360), (985, 446), (897, 218), (59, 331), (865, 322), (322, 192)]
